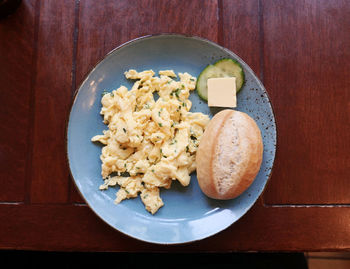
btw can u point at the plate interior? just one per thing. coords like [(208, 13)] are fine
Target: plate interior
[(187, 215)]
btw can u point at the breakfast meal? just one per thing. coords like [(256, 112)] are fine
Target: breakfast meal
[(149, 143), (229, 155)]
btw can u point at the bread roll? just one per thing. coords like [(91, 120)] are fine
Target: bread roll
[(229, 155)]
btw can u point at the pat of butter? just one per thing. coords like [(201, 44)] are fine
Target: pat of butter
[(222, 92)]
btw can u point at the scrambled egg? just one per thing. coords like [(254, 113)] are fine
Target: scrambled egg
[(149, 143)]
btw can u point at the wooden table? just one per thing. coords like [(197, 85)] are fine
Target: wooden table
[(299, 49)]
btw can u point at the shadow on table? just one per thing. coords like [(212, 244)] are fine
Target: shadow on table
[(40, 259)]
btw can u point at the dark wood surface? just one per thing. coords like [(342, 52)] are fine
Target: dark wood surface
[(300, 51)]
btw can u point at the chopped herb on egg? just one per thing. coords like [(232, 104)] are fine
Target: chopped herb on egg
[(125, 174), (151, 104), (173, 142)]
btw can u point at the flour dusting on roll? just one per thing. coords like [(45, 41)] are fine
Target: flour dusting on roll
[(229, 155)]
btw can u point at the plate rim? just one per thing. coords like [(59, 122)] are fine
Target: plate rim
[(86, 77)]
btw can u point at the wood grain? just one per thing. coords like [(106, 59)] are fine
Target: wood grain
[(98, 35), (240, 30), (307, 73), (299, 49), (52, 100), (16, 71), (76, 228), (328, 263)]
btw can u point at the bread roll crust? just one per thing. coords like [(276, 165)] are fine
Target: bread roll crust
[(229, 155)]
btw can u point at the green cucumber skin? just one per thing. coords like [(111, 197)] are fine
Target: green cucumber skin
[(239, 72), (199, 84), (211, 72)]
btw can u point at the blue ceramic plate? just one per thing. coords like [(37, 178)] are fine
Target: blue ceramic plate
[(188, 215)]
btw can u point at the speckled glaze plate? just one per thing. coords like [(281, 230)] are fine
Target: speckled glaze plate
[(188, 215)]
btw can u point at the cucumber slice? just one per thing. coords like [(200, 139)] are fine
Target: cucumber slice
[(222, 68), (210, 71), (232, 68)]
